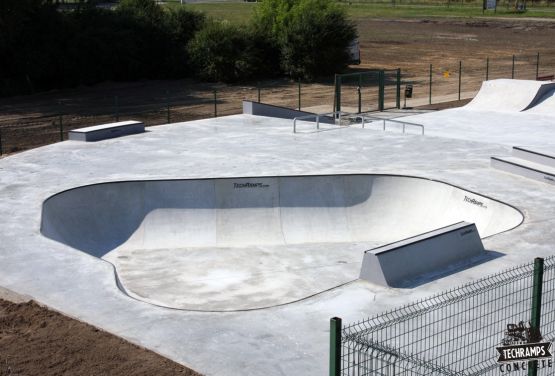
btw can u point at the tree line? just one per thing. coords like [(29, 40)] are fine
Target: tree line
[(43, 47)]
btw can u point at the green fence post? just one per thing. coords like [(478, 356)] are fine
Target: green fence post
[(337, 93), (537, 65), (398, 93), (215, 103), (335, 346), (299, 83), (61, 128), (168, 106), (513, 70), (430, 95), (359, 92), (536, 309), (0, 141), (460, 75), (487, 68), (116, 99), (258, 89), (381, 92)]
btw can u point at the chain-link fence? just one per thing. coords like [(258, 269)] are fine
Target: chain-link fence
[(358, 92), (501, 4), (455, 332)]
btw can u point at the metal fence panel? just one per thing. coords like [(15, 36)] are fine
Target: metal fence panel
[(452, 333)]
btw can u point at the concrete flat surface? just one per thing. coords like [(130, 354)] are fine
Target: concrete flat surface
[(534, 131), (290, 339)]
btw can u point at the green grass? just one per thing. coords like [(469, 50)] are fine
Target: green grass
[(230, 11), (361, 10), (240, 12)]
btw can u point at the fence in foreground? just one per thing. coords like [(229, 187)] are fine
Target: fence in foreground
[(455, 332)]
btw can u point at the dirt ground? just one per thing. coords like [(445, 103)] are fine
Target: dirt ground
[(38, 341)]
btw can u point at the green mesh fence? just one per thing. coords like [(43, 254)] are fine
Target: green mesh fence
[(452, 333)]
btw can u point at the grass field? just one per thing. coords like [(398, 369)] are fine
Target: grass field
[(241, 12)]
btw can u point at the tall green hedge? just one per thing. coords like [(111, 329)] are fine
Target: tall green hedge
[(42, 47)]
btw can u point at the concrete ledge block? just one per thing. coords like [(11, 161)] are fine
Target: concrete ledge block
[(106, 131), (263, 109), (395, 263)]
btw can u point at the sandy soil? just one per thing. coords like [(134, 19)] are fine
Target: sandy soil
[(38, 341)]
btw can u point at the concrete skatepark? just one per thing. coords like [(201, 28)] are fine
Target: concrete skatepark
[(173, 212)]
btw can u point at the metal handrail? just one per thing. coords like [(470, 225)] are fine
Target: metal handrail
[(404, 123), (317, 118)]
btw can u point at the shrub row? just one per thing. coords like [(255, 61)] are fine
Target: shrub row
[(42, 47)]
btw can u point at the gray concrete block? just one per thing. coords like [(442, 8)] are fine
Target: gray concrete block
[(263, 109), (106, 131), (405, 260)]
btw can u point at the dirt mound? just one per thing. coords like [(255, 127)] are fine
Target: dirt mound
[(37, 341)]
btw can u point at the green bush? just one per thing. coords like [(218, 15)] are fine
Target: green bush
[(43, 48), (312, 36), (229, 53)]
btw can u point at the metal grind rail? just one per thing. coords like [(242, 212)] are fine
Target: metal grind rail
[(336, 115), (385, 121)]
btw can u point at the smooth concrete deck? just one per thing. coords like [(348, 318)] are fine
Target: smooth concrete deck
[(291, 339)]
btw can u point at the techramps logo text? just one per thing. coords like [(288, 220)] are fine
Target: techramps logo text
[(249, 185), (520, 345), (473, 201)]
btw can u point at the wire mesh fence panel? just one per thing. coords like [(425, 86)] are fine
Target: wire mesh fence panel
[(317, 97), (280, 93), (362, 91), (359, 91), (392, 88), (453, 333), (445, 83), (229, 100), (548, 300), (23, 134)]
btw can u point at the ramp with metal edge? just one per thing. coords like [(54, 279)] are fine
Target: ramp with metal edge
[(537, 156), (506, 95), (527, 169), (400, 262), (546, 106)]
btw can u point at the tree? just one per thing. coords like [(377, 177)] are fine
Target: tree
[(312, 36), (225, 52)]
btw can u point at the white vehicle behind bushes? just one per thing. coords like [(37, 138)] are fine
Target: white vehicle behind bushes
[(354, 52)]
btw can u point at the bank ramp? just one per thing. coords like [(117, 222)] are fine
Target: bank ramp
[(546, 106), (506, 95)]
